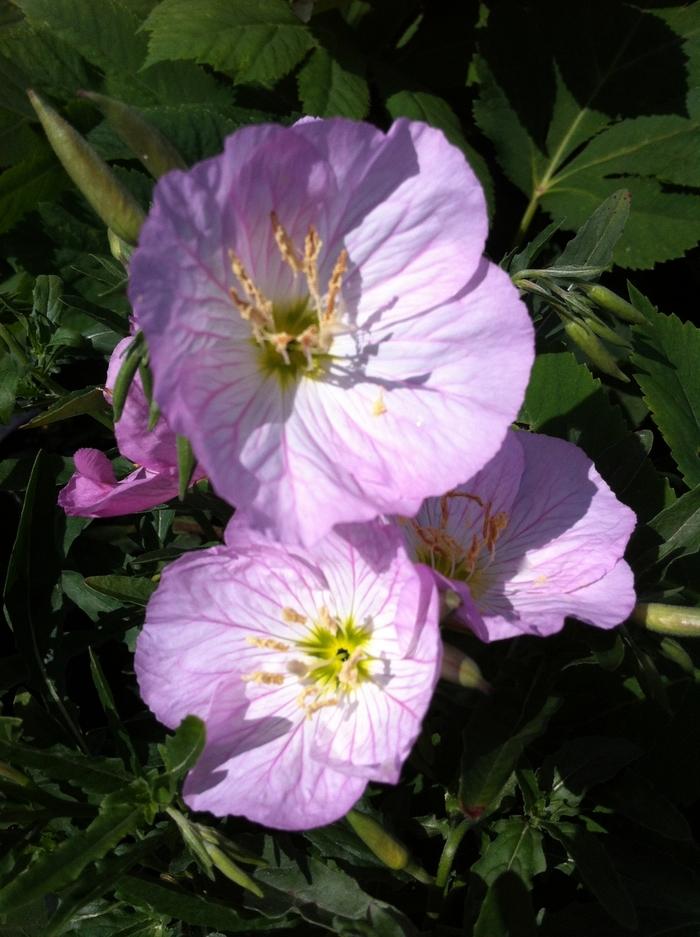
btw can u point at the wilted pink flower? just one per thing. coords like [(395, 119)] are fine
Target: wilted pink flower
[(322, 324), (93, 490), (536, 536), (311, 669)]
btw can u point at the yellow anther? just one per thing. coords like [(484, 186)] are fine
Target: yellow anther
[(280, 341), (259, 676), (291, 615), (320, 704), (256, 299), (312, 249), (379, 407), (334, 284), (271, 644), (285, 244)]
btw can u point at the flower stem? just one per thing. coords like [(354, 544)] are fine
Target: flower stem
[(454, 838)]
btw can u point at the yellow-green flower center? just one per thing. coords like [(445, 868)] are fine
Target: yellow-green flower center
[(292, 339)]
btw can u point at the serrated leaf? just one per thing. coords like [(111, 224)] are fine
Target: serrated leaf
[(327, 89), (134, 589), (665, 357), (121, 813), (107, 33), (595, 867), (45, 61), (258, 40), (517, 847)]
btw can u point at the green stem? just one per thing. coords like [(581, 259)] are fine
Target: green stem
[(454, 838)]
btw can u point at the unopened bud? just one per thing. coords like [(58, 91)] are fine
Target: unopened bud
[(229, 868), (459, 668), (677, 620), (147, 144), (600, 328), (113, 203), (385, 847), (613, 303), (594, 349), (120, 250)]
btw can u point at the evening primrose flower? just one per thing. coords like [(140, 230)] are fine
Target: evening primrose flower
[(534, 537), (312, 670), (322, 324), (93, 490)]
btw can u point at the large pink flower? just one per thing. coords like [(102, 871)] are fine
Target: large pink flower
[(536, 536), (322, 324), (93, 490), (311, 669)]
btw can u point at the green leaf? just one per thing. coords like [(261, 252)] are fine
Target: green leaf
[(663, 224), (29, 182), (89, 400), (106, 33), (327, 89), (517, 848), (564, 399), (595, 867), (184, 906), (134, 589), (10, 373), (121, 813), (91, 774), (665, 357), (678, 525), (46, 62), (584, 762), (492, 748), (184, 747), (258, 40), (595, 241), (507, 910), (636, 798), (196, 130)]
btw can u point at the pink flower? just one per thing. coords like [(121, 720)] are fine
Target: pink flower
[(311, 669), (93, 491), (322, 324), (536, 536)]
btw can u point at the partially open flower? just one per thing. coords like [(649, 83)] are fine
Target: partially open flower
[(536, 536), (322, 324), (312, 670), (93, 491)]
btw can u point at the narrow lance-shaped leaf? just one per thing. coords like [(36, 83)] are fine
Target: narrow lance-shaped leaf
[(120, 814)]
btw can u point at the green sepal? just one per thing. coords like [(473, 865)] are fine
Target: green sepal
[(613, 303)]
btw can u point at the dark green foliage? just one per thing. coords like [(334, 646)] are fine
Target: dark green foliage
[(561, 804)]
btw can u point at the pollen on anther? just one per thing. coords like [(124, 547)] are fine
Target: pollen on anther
[(260, 676), (379, 408), (292, 616), (271, 644)]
